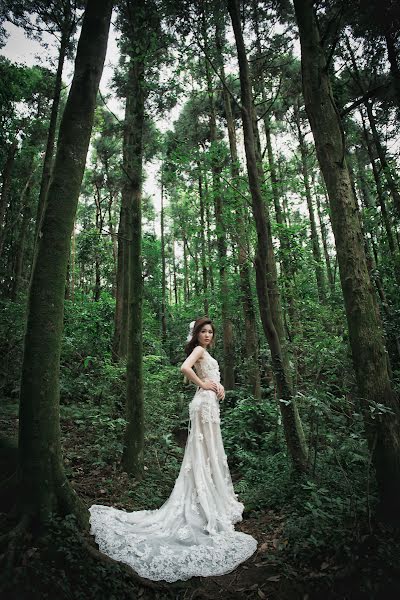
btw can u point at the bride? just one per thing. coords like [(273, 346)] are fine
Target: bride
[(192, 534)]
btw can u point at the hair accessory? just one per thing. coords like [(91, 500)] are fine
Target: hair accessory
[(191, 327)]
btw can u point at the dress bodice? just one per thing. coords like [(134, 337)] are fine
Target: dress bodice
[(207, 367)]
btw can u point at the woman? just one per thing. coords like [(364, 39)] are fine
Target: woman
[(192, 534)]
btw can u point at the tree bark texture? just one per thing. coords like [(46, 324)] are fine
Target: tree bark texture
[(41, 473), (51, 136), (5, 188), (366, 337), (132, 458)]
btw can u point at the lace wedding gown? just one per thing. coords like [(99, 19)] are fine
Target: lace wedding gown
[(192, 533)]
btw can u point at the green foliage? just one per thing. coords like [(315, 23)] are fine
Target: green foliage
[(61, 566), (325, 512), (12, 324), (24, 93)]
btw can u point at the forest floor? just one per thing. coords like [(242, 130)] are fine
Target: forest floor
[(374, 572)]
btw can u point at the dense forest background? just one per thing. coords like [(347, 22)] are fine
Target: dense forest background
[(242, 164)]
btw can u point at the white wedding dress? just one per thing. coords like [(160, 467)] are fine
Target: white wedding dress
[(192, 533)]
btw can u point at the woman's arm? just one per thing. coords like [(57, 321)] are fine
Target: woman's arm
[(187, 370)]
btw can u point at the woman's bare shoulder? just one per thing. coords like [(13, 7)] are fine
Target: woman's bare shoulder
[(198, 352)]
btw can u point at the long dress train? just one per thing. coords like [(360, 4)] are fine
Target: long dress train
[(192, 533)]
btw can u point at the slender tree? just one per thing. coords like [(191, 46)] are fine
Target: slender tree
[(271, 315), (240, 232)]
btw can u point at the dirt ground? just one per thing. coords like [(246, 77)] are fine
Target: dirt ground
[(267, 574)]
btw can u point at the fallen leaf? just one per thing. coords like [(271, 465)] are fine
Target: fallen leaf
[(274, 578)]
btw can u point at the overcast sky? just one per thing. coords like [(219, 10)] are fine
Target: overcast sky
[(21, 49)]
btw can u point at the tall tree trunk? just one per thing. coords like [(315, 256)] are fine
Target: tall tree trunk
[(228, 344), (209, 241), (186, 291), (203, 240), (119, 346), (387, 171), (163, 274), (370, 251), (366, 338), (6, 187), (51, 136), (324, 237), (391, 40), (99, 226), (26, 202), (319, 273), (114, 246), (264, 255), (287, 275), (174, 272), (284, 241), (240, 239), (380, 195), (132, 457), (72, 263), (41, 474)]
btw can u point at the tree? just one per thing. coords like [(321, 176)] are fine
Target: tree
[(366, 339), (267, 291), (58, 19), (40, 468)]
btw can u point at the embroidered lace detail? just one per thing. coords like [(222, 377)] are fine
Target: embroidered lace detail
[(192, 533), (216, 554), (210, 412)]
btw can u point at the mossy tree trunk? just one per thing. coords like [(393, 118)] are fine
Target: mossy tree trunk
[(268, 294), (6, 187), (366, 337), (137, 28), (41, 476)]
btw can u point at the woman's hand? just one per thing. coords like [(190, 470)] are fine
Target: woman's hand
[(210, 385), (220, 392)]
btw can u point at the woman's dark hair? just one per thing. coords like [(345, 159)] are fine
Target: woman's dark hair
[(197, 327)]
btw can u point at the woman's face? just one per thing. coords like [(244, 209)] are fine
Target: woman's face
[(205, 336)]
